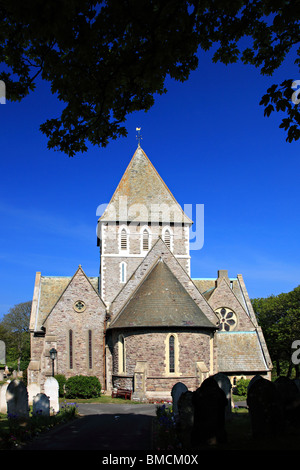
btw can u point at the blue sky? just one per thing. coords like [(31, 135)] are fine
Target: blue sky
[(212, 145)]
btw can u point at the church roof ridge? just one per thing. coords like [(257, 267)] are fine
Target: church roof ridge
[(142, 190)]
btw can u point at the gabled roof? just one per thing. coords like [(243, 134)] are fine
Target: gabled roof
[(161, 301), (48, 291), (142, 194)]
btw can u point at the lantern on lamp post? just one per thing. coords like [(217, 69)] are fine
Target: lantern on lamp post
[(53, 354)]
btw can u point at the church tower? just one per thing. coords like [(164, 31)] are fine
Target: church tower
[(141, 210)]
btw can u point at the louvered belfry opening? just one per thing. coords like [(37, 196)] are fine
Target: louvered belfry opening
[(123, 239)]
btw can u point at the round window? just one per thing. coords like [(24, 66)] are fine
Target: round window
[(79, 306), (227, 317)]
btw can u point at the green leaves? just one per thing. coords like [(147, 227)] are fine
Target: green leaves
[(283, 98), (279, 317), (106, 60)]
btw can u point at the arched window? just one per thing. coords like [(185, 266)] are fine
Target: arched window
[(123, 273), (145, 239), (90, 349), (70, 349), (121, 354), (171, 354), (167, 238)]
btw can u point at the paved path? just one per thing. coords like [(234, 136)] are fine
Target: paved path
[(101, 427)]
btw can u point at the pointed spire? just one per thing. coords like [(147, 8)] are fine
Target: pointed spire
[(142, 196)]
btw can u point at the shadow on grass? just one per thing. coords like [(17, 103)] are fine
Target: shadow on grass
[(239, 437)]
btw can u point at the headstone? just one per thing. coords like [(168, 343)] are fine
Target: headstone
[(185, 418), (51, 388), (3, 402), (254, 379), (225, 384), (17, 399), (264, 408), (176, 391), (290, 399), (33, 389), (2, 352), (41, 405), (209, 402), (297, 382)]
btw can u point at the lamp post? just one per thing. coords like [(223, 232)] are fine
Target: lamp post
[(53, 354)]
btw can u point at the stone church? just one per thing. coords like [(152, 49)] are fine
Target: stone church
[(144, 323)]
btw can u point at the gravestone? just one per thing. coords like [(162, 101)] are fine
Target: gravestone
[(3, 402), (225, 385), (176, 391), (209, 402), (51, 388), (185, 418), (289, 397), (297, 382), (33, 389), (41, 405), (17, 399), (264, 408), (254, 379), (2, 352)]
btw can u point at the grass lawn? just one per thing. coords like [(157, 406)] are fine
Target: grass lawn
[(240, 436), (101, 399)]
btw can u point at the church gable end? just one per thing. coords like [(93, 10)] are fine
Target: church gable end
[(228, 308), (74, 327)]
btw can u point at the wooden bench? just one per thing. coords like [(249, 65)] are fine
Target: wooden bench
[(122, 392)]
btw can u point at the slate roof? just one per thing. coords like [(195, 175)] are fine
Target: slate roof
[(141, 194), (240, 351), (161, 301)]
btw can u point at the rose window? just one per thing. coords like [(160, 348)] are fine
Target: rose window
[(227, 319), (79, 306)]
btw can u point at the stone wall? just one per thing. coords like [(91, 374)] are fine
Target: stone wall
[(112, 256), (193, 346), (85, 347), (223, 296)]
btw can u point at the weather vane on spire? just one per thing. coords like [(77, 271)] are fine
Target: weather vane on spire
[(138, 135)]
